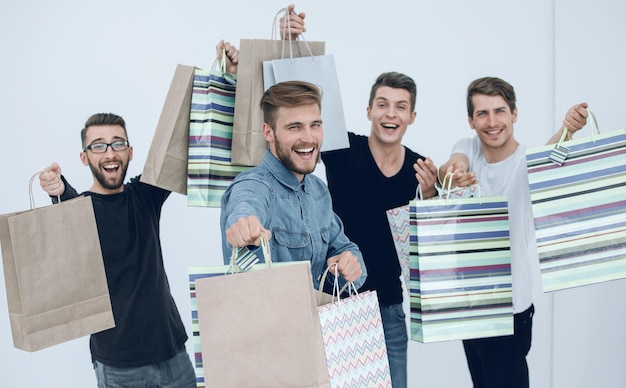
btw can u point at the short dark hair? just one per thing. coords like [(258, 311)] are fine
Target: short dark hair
[(395, 80), (288, 94), (490, 86), (102, 119)]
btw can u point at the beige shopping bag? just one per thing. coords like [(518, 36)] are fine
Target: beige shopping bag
[(54, 274), (260, 328), (166, 163)]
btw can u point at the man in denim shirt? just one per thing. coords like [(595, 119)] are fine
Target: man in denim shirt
[(280, 200)]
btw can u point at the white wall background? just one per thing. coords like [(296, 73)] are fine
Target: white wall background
[(62, 61)]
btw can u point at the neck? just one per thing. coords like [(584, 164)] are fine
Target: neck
[(388, 157), (498, 154)]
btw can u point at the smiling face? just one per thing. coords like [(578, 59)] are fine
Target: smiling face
[(109, 168), (296, 138), (493, 121), (390, 114)]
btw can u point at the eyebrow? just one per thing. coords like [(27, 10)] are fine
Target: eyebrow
[(380, 98), (101, 139)]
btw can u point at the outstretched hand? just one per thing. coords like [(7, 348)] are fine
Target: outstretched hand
[(576, 117), (247, 231), (50, 180)]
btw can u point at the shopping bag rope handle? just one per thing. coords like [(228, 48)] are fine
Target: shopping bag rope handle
[(594, 125), (336, 290), (31, 197), (287, 28), (446, 190), (265, 247)]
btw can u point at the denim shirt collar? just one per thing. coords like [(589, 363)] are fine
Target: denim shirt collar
[(283, 174)]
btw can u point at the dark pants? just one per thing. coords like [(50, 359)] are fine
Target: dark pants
[(499, 362)]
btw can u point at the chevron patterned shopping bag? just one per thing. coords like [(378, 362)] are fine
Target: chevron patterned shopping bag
[(579, 208), (210, 170), (460, 261), (354, 341), (398, 219)]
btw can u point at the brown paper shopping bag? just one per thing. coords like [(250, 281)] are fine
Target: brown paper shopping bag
[(249, 145), (260, 328), (166, 163), (54, 274)]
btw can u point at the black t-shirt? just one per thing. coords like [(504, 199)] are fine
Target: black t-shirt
[(148, 328), (361, 196)]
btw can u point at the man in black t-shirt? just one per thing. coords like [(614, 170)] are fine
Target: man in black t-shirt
[(375, 174), (147, 345)]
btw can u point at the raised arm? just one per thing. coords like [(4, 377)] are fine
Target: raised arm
[(296, 24), (232, 55), (575, 119)]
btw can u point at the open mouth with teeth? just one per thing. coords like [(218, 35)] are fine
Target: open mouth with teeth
[(111, 168), (389, 126), (493, 132), (304, 152)]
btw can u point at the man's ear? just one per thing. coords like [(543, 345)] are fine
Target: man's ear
[(83, 158), (268, 133)]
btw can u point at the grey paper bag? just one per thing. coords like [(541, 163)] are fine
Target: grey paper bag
[(249, 145), (166, 163), (54, 274)]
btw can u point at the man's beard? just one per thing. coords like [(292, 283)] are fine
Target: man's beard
[(95, 170), (286, 158)]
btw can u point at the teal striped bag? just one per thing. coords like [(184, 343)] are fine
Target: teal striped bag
[(210, 170), (578, 194), (460, 269)]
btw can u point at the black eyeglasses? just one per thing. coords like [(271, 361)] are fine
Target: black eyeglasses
[(100, 148)]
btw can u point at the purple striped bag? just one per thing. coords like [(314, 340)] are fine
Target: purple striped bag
[(210, 169), (578, 194), (460, 282)]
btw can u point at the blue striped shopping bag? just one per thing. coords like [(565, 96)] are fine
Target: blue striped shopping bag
[(210, 170), (579, 208), (460, 269)]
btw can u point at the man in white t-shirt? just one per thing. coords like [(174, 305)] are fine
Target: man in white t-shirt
[(497, 161)]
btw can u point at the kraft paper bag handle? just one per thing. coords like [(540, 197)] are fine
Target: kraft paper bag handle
[(287, 29), (335, 285), (447, 180), (30, 190), (560, 152)]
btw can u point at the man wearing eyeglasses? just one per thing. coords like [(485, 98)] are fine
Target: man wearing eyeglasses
[(147, 345)]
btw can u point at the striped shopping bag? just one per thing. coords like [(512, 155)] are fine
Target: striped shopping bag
[(210, 170), (460, 282), (578, 194)]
